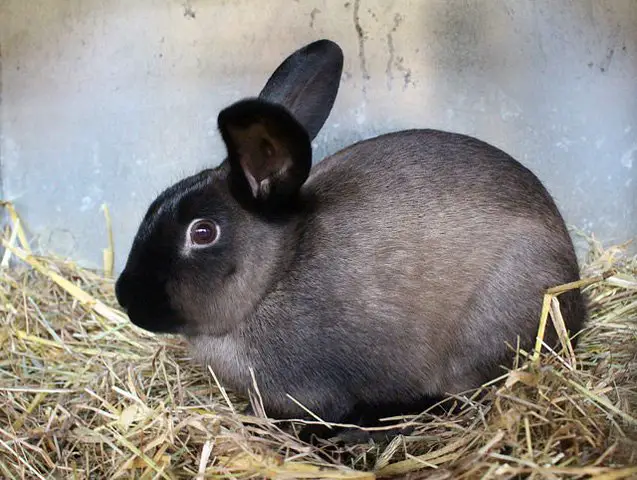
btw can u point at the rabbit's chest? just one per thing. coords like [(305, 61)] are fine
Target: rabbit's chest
[(226, 357)]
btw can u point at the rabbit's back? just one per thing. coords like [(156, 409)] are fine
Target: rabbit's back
[(445, 201), (431, 167)]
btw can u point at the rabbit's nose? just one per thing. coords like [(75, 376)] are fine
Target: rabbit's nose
[(122, 290)]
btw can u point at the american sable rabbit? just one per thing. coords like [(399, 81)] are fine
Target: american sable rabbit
[(392, 272)]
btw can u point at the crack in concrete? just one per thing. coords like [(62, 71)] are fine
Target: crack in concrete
[(313, 16), (398, 19), (361, 45), (390, 62)]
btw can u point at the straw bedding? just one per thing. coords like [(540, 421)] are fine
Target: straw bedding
[(85, 394)]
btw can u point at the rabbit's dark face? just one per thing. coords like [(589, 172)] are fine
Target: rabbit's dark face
[(203, 256), (207, 248), (183, 246), (208, 245)]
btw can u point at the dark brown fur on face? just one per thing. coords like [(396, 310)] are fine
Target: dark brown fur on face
[(394, 274)]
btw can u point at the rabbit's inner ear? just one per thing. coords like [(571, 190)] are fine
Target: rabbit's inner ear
[(269, 151), (263, 159)]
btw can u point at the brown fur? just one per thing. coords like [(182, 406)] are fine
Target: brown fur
[(398, 272)]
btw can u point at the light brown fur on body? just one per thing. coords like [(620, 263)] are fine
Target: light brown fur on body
[(393, 273), (397, 306)]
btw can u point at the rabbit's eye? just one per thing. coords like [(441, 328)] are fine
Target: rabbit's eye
[(203, 233)]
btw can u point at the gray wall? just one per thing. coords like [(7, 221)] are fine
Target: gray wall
[(111, 101)]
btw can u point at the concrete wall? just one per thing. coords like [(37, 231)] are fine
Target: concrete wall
[(111, 101)]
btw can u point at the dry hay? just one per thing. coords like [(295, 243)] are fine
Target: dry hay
[(85, 394)]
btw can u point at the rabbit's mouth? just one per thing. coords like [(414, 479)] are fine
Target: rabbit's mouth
[(154, 321)]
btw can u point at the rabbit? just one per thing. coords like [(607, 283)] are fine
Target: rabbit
[(396, 272)]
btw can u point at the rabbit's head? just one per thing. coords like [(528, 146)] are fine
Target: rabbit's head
[(207, 247)]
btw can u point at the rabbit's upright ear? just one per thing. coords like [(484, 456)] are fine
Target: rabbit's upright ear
[(269, 151), (306, 83)]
